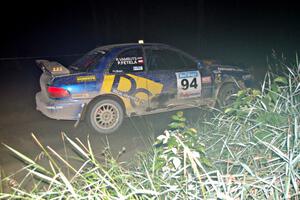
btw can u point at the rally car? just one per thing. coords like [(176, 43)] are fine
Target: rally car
[(115, 81)]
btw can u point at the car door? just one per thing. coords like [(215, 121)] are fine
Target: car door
[(178, 74), (126, 79)]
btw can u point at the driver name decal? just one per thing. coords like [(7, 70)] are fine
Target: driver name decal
[(130, 60)]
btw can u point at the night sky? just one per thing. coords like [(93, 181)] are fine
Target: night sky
[(234, 31)]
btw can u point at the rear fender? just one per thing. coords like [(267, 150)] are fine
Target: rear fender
[(104, 96)]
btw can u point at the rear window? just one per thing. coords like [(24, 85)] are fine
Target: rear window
[(88, 62)]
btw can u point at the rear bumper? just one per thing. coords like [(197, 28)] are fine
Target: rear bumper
[(249, 84), (59, 109)]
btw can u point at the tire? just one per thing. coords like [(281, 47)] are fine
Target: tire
[(226, 95), (105, 116)]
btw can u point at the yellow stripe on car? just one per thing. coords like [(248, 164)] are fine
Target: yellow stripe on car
[(124, 86)]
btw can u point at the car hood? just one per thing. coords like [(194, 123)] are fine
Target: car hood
[(217, 67)]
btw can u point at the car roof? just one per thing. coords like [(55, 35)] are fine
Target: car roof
[(125, 45)]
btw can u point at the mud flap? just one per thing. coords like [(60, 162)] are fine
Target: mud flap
[(80, 115)]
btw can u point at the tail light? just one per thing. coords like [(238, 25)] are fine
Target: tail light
[(56, 92)]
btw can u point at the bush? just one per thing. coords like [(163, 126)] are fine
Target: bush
[(258, 137)]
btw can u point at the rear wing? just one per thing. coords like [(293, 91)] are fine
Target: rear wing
[(52, 67)]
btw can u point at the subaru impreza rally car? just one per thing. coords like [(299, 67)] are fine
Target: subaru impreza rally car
[(111, 82)]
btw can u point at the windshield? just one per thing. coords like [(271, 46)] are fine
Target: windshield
[(88, 61)]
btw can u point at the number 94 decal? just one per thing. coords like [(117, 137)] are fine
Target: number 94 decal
[(188, 84)]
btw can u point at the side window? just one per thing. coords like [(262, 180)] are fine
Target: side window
[(189, 63), (164, 59), (128, 61)]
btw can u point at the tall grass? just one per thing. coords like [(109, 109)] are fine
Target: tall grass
[(249, 151), (258, 136)]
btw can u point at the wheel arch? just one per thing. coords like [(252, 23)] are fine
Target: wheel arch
[(106, 96), (230, 80)]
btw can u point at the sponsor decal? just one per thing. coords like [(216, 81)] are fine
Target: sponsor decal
[(206, 79), (188, 84), (54, 107), (134, 90), (57, 69), (134, 99), (190, 74), (188, 94), (80, 95), (130, 60), (86, 78), (117, 71), (128, 86), (138, 68), (230, 69)]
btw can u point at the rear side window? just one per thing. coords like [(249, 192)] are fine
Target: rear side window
[(88, 62), (128, 61), (164, 59)]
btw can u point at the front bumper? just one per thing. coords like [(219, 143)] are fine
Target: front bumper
[(59, 109)]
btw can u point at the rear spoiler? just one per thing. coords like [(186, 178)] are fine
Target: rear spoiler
[(52, 67)]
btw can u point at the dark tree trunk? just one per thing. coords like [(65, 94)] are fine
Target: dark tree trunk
[(141, 19), (200, 23)]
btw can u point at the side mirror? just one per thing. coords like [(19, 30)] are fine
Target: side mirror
[(199, 64)]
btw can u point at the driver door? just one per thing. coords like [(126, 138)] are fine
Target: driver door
[(177, 73)]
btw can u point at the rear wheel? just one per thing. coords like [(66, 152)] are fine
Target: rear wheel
[(227, 95), (105, 115)]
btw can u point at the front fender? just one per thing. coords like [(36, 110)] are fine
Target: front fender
[(230, 80)]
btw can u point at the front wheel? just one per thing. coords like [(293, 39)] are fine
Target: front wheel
[(227, 95), (105, 116)]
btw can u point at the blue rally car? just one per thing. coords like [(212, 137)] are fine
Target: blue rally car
[(111, 82)]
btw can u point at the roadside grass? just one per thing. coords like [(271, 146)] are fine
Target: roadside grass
[(258, 136), (250, 150)]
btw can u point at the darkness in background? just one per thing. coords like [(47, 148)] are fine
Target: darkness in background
[(239, 31)]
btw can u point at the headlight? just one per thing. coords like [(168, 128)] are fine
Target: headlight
[(247, 77)]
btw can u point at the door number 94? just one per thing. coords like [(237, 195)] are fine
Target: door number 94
[(186, 84)]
